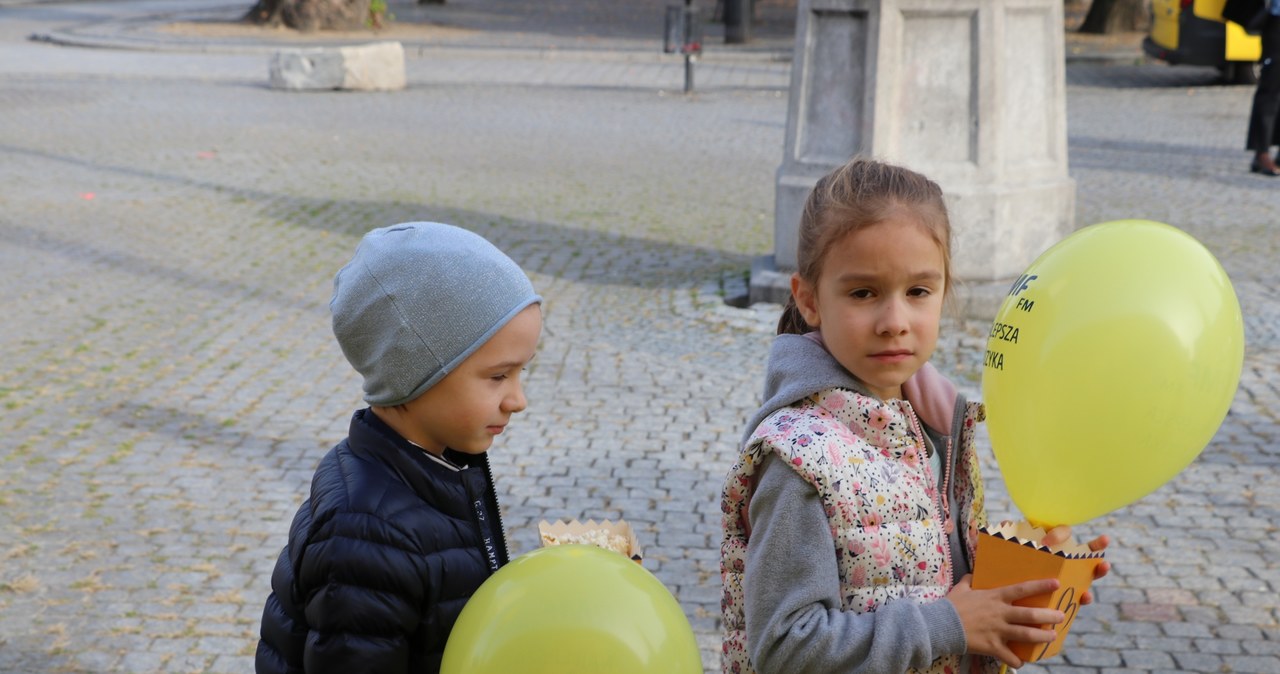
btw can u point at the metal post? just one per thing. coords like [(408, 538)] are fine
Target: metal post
[(682, 32), (688, 53)]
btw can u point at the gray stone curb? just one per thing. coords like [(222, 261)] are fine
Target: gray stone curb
[(140, 34)]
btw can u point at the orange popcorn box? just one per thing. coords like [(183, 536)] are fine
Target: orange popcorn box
[(616, 536), (1011, 553)]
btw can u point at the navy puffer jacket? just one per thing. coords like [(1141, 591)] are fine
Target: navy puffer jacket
[(381, 558)]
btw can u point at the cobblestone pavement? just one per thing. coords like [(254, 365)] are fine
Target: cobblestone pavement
[(169, 229)]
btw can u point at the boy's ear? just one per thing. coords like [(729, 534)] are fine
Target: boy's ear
[(806, 300)]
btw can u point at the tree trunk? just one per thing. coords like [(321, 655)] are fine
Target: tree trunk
[(310, 15), (1115, 16), (264, 13)]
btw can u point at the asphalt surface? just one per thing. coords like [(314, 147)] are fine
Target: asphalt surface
[(170, 227)]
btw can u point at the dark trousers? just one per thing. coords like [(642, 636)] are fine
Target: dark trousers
[(1263, 130)]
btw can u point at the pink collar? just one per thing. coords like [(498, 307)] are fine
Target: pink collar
[(931, 395)]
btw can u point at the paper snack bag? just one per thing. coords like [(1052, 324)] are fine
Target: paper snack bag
[(1010, 553), (617, 536)]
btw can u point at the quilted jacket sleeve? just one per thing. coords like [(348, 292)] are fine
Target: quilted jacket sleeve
[(364, 592), (347, 596), (280, 648)]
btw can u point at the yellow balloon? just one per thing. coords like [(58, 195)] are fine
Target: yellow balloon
[(1109, 367), (572, 609)]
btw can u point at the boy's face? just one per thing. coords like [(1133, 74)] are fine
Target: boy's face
[(473, 403)]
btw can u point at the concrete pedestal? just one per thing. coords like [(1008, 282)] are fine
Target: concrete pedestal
[(971, 93)]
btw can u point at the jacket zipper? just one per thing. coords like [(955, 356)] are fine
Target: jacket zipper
[(501, 533), (940, 500)]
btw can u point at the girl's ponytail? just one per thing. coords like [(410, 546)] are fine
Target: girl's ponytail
[(792, 321)]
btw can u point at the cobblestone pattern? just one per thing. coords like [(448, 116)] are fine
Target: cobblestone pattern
[(169, 379)]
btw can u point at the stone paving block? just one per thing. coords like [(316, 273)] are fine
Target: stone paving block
[(1171, 596), (189, 664), (1248, 584), (142, 661), (1249, 615), (1149, 612), (1199, 662), (1147, 659), (1219, 646), (1262, 600), (704, 624), (646, 518), (1202, 614), (684, 540), (1220, 598), (1252, 664), (552, 504), (1093, 658), (225, 645), (631, 505), (1199, 582), (1260, 647), (171, 639), (1053, 667), (1162, 644), (1101, 640), (1152, 580), (709, 557), (1121, 596), (1136, 628), (1183, 630)]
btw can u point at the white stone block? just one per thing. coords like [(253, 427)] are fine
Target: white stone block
[(373, 67), (369, 67)]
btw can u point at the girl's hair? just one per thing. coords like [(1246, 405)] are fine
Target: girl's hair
[(862, 193)]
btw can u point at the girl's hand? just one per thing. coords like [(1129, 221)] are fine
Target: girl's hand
[(1060, 534), (991, 620)]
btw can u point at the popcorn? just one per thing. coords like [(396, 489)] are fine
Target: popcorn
[(617, 537), (596, 537)]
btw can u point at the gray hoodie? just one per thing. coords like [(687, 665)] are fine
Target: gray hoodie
[(797, 626)]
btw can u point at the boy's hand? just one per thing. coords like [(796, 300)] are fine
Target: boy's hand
[(1060, 534), (991, 620)]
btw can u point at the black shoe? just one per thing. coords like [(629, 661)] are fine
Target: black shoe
[(1255, 167)]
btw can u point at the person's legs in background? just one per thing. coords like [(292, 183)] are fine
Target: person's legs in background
[(1266, 103)]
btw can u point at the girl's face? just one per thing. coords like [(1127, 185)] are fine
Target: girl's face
[(878, 302)]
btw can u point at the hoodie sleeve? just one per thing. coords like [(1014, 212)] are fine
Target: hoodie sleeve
[(794, 623)]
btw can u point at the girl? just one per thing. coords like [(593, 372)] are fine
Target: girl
[(851, 516)]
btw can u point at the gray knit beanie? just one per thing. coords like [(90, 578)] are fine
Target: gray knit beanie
[(416, 299)]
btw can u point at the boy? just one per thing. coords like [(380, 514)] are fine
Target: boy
[(402, 525)]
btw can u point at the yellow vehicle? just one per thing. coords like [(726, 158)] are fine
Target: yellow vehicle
[(1193, 32)]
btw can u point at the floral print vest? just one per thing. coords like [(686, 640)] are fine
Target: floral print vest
[(867, 460)]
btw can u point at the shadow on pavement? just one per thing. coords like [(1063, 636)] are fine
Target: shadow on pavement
[(593, 256), (1144, 75)]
